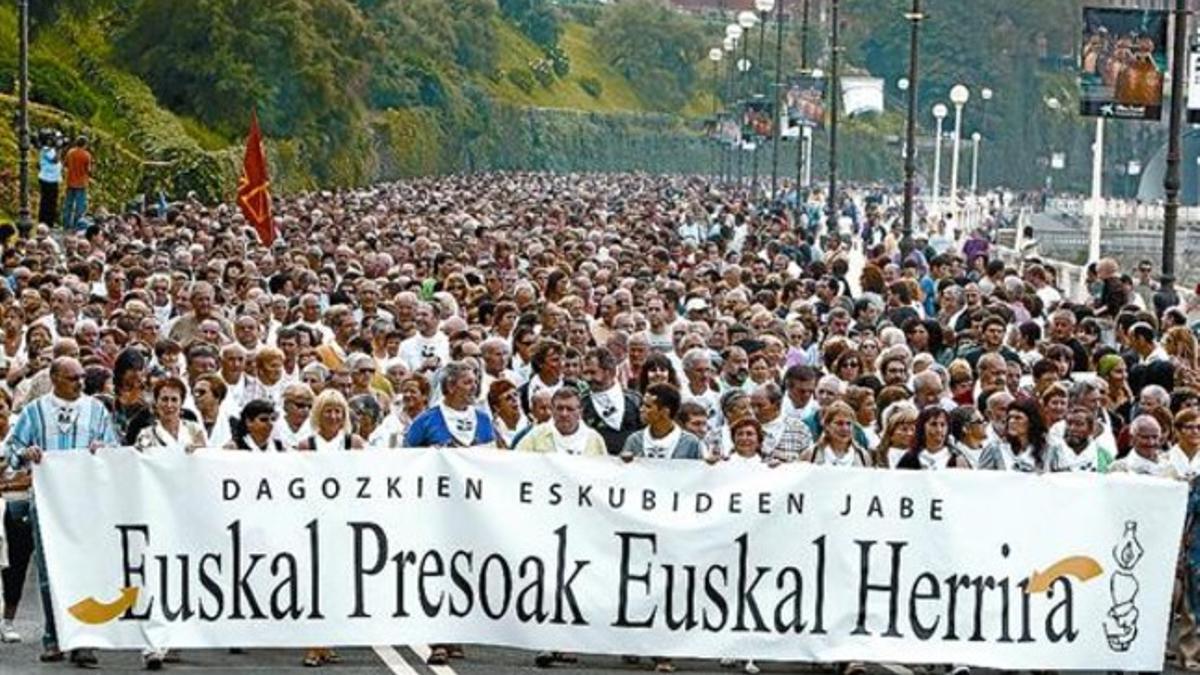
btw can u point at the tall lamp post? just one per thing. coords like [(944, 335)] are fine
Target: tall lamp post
[(743, 67), (805, 132), (835, 95), (715, 55), (747, 19), (939, 113), (975, 139), (24, 222), (959, 95), (776, 91), (985, 95), (910, 139), (733, 34), (1166, 296), (760, 82)]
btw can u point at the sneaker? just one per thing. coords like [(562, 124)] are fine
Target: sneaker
[(960, 670), (52, 655), (751, 667), (154, 662), (85, 658), (544, 659), (8, 633), (728, 663)]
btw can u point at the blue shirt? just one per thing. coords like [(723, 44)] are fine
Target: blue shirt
[(429, 430), (49, 168)]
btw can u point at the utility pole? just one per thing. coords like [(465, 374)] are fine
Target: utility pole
[(835, 95), (801, 141), (24, 221), (775, 92), (910, 148), (1166, 296)]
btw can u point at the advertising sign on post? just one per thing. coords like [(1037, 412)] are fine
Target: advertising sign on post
[(1124, 58), (805, 99), (756, 120)]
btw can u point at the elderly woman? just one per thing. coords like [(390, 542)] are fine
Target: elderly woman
[(836, 446), (899, 424), (365, 415), (1025, 446), (968, 432), (331, 425), (208, 393), (253, 429), (170, 430), (507, 418), (546, 370), (1112, 369), (412, 400)]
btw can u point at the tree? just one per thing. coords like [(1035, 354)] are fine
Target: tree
[(655, 48), (301, 61), (535, 18)]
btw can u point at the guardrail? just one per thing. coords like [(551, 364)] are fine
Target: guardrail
[(1138, 214)]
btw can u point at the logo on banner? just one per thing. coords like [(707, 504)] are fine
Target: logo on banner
[(1121, 626), (94, 612)]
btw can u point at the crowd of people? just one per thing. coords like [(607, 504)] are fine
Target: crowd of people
[(629, 316)]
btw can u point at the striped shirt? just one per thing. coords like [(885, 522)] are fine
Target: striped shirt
[(53, 424)]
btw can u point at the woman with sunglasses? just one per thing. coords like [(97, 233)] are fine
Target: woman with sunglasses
[(968, 432), (253, 430)]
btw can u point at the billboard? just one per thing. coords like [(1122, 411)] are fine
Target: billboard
[(805, 100), (861, 95), (1124, 57), (756, 120)]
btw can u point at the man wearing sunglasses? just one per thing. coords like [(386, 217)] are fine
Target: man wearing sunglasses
[(63, 420)]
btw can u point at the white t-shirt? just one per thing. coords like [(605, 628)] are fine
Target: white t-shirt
[(418, 348)]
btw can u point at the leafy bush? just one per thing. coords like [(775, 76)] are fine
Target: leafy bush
[(523, 79), (592, 85), (543, 70), (51, 83), (535, 18), (559, 60)]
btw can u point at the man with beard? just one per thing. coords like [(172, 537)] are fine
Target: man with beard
[(1079, 450), (735, 369), (608, 408)]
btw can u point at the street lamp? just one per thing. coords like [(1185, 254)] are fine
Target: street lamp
[(763, 6), (902, 84), (959, 95), (909, 85), (939, 113), (975, 139), (715, 55), (24, 221)]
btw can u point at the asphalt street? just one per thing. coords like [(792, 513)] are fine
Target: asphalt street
[(22, 658)]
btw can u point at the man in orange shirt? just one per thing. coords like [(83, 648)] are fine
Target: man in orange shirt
[(79, 172)]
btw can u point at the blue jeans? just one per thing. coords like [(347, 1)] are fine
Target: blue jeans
[(74, 206), (49, 633)]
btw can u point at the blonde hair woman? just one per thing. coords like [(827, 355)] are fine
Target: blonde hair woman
[(331, 431), (899, 424), (331, 425)]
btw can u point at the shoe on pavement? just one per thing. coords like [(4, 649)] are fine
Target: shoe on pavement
[(752, 668), (52, 655), (154, 662), (544, 659), (8, 633), (85, 658)]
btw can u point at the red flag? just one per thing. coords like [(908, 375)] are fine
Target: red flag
[(253, 193)]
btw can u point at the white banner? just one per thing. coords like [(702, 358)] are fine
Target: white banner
[(862, 94), (667, 558)]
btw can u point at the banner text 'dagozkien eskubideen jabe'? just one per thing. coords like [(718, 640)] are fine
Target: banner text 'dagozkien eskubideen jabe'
[(667, 558)]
